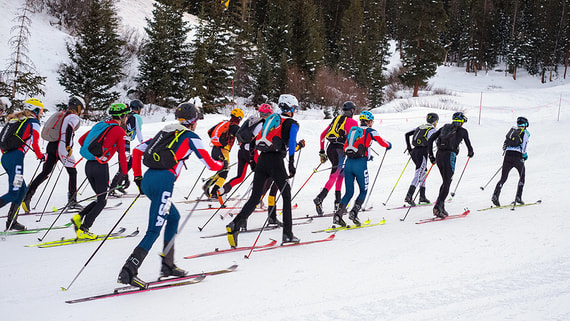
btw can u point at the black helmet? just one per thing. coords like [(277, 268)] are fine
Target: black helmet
[(459, 117), (349, 105), (187, 113), (136, 105), (522, 121), (76, 103), (432, 118)]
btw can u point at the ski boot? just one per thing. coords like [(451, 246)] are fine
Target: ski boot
[(76, 221), (128, 274), (84, 234), (353, 216), (518, 199), (319, 201), (11, 221), (495, 197), (168, 267), (73, 205), (26, 203), (438, 211), (337, 218), (423, 198), (410, 196), (233, 232), (337, 197), (289, 239), (272, 220)]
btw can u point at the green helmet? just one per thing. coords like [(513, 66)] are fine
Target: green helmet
[(118, 110)]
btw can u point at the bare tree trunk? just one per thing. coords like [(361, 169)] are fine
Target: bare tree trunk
[(416, 89), (566, 63), (515, 73)]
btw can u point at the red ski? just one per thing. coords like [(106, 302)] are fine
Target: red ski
[(450, 217), (243, 248), (330, 238)]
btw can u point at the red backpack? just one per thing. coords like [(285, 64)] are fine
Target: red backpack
[(219, 134)]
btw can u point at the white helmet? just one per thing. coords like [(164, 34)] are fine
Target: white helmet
[(288, 103)]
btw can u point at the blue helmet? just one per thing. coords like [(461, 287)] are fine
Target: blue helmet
[(459, 117), (522, 122), (366, 115)]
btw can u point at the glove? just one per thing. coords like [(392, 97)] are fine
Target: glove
[(370, 158), (69, 150), (409, 150), (138, 181), (389, 146), (292, 169), (432, 159), (43, 158), (524, 157), (323, 156), (252, 164), (300, 145), (470, 154)]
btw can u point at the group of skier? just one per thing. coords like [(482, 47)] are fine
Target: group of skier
[(264, 142)]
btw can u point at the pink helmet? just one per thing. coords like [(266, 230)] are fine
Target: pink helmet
[(265, 109)]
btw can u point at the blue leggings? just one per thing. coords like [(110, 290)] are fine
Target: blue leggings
[(355, 168), (13, 163), (157, 185)]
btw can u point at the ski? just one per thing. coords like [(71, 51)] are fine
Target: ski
[(329, 238), (138, 290), (417, 205), (351, 227), (257, 229), (36, 230), (70, 241), (56, 211), (211, 200), (313, 216), (178, 279), (243, 248), (450, 217), (510, 206), (211, 207)]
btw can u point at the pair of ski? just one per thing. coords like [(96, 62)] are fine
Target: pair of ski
[(269, 246), (72, 241), (36, 230), (257, 229), (156, 285), (450, 217), (366, 223), (55, 210), (511, 206)]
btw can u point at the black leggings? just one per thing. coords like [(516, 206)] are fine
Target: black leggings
[(98, 176), (446, 164), (512, 160), (47, 169)]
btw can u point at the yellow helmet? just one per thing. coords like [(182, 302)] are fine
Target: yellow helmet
[(237, 113), (33, 104)]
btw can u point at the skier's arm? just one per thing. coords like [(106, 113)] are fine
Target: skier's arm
[(407, 137), (137, 157), (430, 142), (293, 139)]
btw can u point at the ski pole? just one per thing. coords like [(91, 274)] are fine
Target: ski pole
[(101, 244), (483, 187), (44, 189), (417, 193), (296, 166), (264, 225), (223, 204), (223, 216), (374, 183), (50, 194), (397, 181), (453, 194), (315, 170), (196, 182)]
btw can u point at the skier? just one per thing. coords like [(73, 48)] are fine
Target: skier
[(335, 134), (158, 185), (61, 150), (448, 139), (515, 156), (97, 169), (134, 130), (356, 147), (270, 165), (222, 138), (246, 153), (28, 134), (419, 155)]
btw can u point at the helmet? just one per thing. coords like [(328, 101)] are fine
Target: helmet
[(459, 117), (136, 105), (238, 113), (432, 118), (366, 115), (349, 105), (118, 110), (33, 104), (187, 113), (76, 103), (265, 109), (288, 103), (522, 122)]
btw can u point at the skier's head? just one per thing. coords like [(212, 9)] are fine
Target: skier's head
[(119, 112), (187, 114), (35, 106), (265, 110), (432, 118), (366, 118), (348, 109), (522, 122), (136, 106), (236, 115), (459, 118), (76, 104), (288, 104)]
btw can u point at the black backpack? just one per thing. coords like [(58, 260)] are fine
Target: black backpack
[(244, 134), (420, 135), (159, 153), (447, 140), (514, 137), (11, 135)]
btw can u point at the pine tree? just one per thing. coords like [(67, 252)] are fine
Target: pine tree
[(96, 59), (307, 49), (164, 58), (277, 38)]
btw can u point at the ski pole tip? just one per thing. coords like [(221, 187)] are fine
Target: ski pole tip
[(63, 289), (54, 209), (246, 257)]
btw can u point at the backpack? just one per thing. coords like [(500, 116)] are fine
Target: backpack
[(11, 135), (244, 134), (219, 134), (420, 135), (269, 139), (514, 137), (336, 132), (355, 145), (159, 153), (92, 147), (447, 140), (52, 127)]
